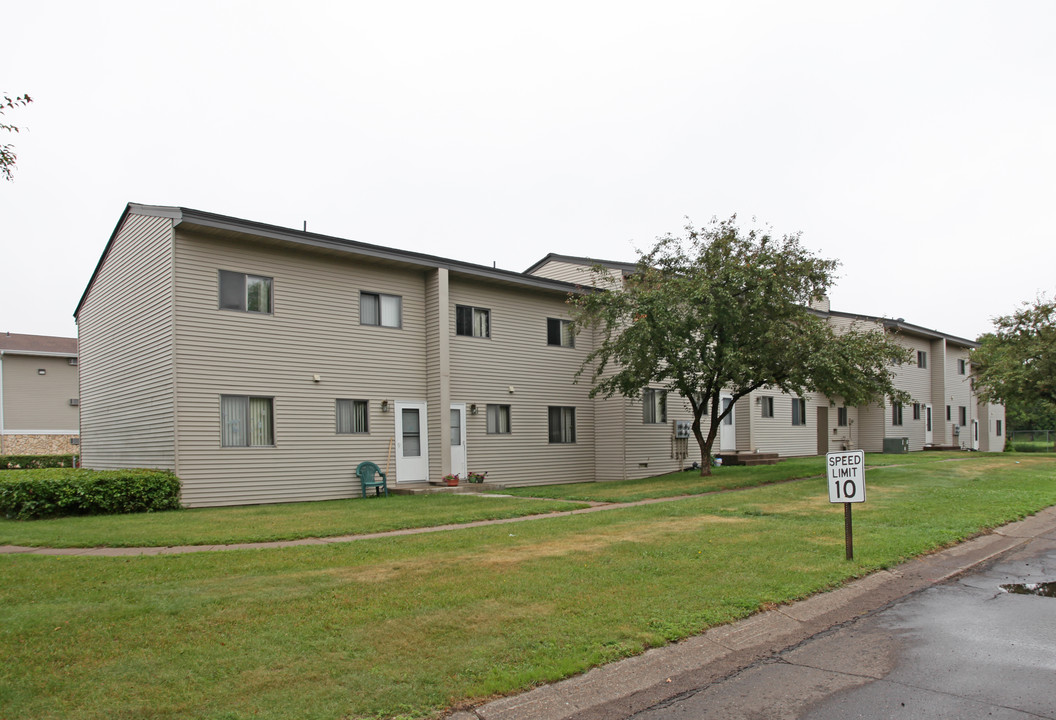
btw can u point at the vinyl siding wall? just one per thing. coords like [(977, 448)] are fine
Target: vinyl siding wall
[(959, 394), (314, 329), (990, 440), (573, 273), (777, 434), (517, 355), (35, 403), (125, 328)]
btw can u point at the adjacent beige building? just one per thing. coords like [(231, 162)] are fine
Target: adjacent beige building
[(261, 364), (39, 396)]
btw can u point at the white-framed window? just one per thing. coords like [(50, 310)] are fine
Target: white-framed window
[(896, 413), (766, 404), (998, 429), (916, 411), (922, 359), (799, 411), (962, 366), (351, 417), (559, 332), (562, 424), (246, 421), (654, 406), (962, 415), (841, 416), (246, 293), (498, 419), (472, 321), (380, 309)]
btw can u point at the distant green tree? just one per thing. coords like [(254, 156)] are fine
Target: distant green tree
[(723, 310), (1016, 364), (1038, 415), (7, 151)]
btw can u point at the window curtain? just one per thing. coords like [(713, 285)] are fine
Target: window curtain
[(233, 410)]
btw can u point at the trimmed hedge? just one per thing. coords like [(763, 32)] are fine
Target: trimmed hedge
[(24, 462), (28, 494)]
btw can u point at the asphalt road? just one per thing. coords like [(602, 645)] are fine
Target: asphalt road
[(962, 649)]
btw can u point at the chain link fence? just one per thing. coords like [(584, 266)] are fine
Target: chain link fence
[(1032, 440)]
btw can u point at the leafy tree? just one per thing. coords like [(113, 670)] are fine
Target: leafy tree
[(7, 151), (724, 310), (1016, 364), (1037, 415)]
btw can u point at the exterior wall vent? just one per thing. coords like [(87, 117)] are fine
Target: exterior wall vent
[(75, 402)]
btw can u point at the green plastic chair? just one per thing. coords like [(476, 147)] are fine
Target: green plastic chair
[(366, 471)]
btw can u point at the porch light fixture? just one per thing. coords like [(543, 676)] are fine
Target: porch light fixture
[(42, 371), (473, 409), (384, 405)]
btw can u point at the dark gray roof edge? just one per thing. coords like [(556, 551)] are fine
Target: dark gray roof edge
[(224, 222), (625, 267), (181, 215), (907, 327)]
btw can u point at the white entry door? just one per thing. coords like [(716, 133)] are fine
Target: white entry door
[(975, 434), (412, 442), (929, 436), (727, 429), (458, 439)]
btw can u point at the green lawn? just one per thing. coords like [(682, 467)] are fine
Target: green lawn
[(265, 523), (407, 626)]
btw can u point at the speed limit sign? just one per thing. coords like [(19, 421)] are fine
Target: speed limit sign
[(846, 472)]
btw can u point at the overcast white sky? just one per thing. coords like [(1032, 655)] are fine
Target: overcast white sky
[(913, 141)]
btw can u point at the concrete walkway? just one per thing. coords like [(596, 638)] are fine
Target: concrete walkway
[(628, 687)]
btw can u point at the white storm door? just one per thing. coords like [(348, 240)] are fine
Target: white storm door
[(929, 436), (727, 428), (975, 434), (458, 439), (412, 442)]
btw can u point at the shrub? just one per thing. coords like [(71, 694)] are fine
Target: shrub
[(28, 494), (25, 462)]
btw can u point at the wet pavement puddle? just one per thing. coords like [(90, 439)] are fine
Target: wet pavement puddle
[(1045, 589)]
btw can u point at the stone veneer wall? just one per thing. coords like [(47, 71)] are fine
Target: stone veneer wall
[(39, 445)]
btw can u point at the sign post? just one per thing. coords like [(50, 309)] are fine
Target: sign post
[(846, 473)]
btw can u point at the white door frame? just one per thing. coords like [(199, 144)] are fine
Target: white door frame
[(975, 434), (412, 468), (929, 425), (458, 451), (728, 427)]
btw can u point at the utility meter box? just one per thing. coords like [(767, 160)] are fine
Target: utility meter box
[(683, 428)]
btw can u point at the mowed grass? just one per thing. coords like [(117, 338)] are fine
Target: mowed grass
[(407, 626), (690, 482), (266, 523)]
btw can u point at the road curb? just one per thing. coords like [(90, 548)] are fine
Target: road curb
[(628, 686)]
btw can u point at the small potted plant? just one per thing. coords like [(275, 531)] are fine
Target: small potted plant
[(475, 477), (451, 480)]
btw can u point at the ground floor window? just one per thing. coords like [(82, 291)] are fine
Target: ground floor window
[(841, 416), (246, 421), (767, 404), (498, 419), (351, 416), (654, 406), (562, 424), (896, 413), (799, 411)]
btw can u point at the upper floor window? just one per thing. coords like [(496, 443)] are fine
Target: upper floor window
[(472, 321), (559, 332), (248, 293), (962, 365), (351, 416), (246, 421), (841, 416), (379, 309), (562, 424), (654, 406), (799, 411), (498, 419), (896, 413), (767, 404), (922, 359)]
